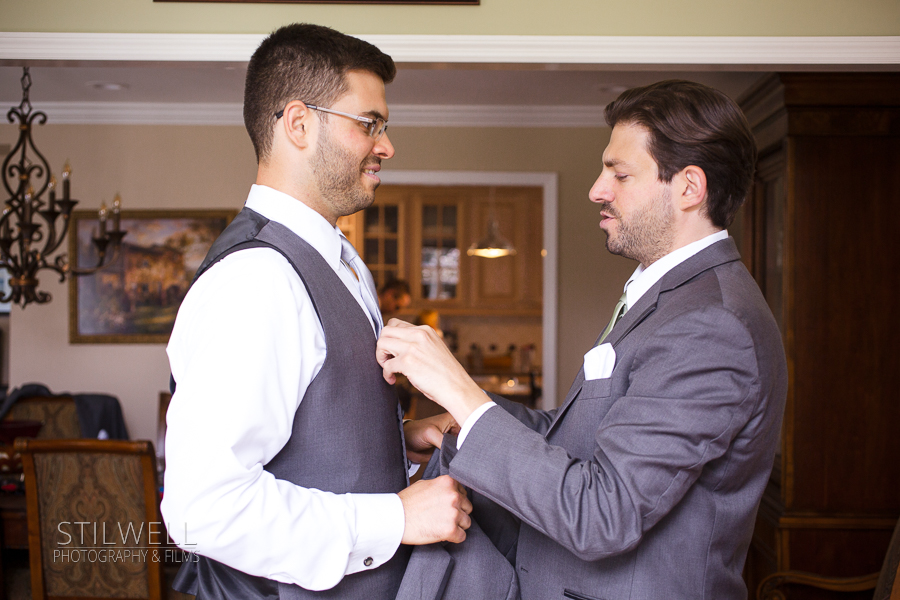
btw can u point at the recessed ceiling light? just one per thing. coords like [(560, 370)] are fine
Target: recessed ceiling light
[(107, 86)]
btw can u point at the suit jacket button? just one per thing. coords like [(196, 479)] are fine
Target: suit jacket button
[(368, 562)]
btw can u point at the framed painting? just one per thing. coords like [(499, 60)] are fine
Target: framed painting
[(134, 300)]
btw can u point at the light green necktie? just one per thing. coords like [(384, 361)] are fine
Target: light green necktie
[(618, 313)]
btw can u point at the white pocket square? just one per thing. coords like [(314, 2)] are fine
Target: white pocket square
[(599, 362)]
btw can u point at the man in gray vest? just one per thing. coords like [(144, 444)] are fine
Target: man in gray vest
[(286, 464), (646, 481)]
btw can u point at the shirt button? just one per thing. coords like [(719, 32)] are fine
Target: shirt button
[(368, 562)]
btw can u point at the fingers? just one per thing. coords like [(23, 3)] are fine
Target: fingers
[(464, 521), (433, 436), (435, 510), (465, 504), (385, 352), (395, 322), (389, 376), (450, 425)]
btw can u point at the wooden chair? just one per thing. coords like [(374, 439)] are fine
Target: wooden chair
[(93, 519), (163, 407), (886, 583), (58, 415)]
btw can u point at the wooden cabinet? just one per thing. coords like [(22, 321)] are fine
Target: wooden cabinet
[(435, 225), (820, 234)]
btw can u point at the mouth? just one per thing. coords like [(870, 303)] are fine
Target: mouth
[(371, 170), (606, 218)]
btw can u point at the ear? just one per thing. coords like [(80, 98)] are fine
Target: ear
[(295, 125), (693, 188)]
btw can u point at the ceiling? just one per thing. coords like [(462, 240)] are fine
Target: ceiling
[(217, 83)]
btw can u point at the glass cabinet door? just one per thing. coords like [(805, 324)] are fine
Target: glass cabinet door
[(440, 252), (381, 242)]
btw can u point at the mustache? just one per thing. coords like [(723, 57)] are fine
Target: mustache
[(608, 209), (371, 162)]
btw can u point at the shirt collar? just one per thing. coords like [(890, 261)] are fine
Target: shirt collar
[(300, 219), (643, 279)]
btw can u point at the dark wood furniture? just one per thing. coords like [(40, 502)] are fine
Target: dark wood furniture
[(111, 486), (162, 408), (59, 419), (886, 584), (820, 236)]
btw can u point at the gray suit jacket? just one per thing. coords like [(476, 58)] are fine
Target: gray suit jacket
[(480, 568), (646, 484)]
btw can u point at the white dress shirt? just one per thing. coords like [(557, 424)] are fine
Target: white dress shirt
[(241, 371), (637, 285)]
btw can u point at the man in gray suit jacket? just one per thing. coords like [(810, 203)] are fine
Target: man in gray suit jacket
[(645, 483)]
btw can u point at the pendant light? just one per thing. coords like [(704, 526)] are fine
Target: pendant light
[(494, 245)]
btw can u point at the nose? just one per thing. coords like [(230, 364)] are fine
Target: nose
[(600, 191), (384, 149)]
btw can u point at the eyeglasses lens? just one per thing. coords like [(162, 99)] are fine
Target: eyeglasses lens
[(377, 129)]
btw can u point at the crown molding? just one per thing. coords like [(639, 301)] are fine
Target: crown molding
[(139, 113), (402, 115), (433, 115), (472, 49)]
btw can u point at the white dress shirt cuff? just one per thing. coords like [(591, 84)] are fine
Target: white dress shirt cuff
[(380, 522), (470, 422)]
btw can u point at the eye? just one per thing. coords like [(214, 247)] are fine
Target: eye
[(621, 177)]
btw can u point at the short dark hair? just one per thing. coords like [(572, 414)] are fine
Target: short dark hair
[(401, 286), (693, 124), (307, 63)]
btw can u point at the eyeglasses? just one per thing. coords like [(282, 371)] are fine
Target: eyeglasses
[(374, 127)]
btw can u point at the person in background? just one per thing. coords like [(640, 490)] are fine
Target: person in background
[(394, 296), (287, 471)]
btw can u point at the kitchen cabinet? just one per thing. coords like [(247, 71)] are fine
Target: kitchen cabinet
[(421, 234)]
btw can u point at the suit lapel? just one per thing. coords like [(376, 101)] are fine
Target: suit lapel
[(570, 397), (719, 253)]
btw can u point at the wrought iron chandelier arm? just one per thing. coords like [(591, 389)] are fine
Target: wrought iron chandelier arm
[(112, 238), (6, 237), (53, 242), (59, 266)]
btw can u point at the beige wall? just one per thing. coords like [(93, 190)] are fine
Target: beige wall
[(492, 17), (212, 167), (152, 167)]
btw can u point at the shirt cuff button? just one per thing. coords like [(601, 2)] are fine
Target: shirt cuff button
[(368, 562)]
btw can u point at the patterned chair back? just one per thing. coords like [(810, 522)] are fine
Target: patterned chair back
[(94, 529), (58, 415)]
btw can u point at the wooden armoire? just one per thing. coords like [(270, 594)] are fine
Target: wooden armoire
[(821, 234)]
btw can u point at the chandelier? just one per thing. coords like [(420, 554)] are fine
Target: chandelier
[(26, 245)]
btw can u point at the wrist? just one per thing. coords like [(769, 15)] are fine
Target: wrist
[(470, 403)]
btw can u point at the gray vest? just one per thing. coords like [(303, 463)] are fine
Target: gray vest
[(347, 433)]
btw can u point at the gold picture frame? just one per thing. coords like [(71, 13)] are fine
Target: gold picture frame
[(134, 300)]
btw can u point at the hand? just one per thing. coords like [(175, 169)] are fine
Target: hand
[(435, 510), (422, 356), (424, 435)]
